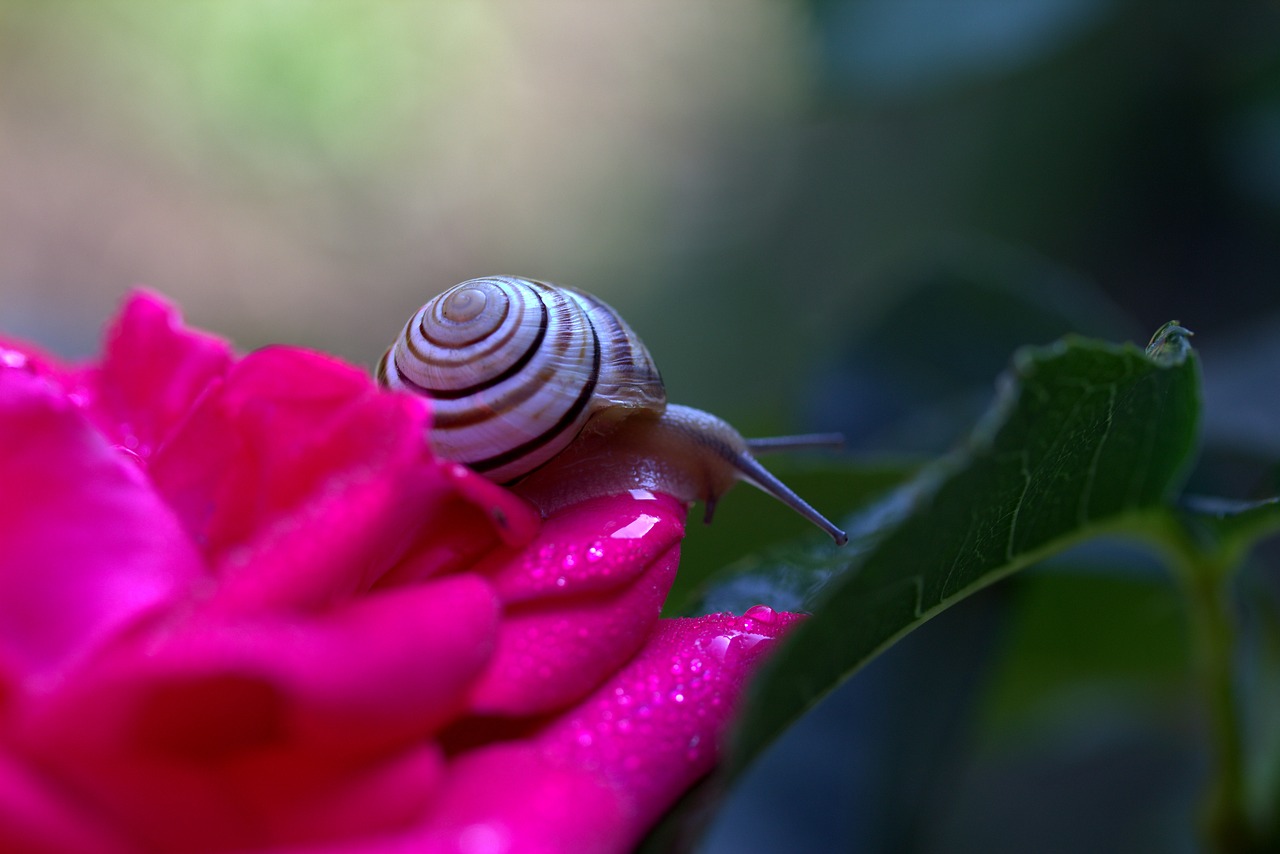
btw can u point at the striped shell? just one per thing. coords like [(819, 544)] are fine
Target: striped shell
[(515, 368)]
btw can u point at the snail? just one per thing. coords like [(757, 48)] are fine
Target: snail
[(546, 389)]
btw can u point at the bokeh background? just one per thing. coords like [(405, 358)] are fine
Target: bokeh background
[(819, 215)]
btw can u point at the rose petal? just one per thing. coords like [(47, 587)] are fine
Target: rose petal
[(511, 798), (655, 728), (583, 598), (551, 655), (599, 776), (515, 519), (388, 796), (153, 370), (86, 546), (36, 817), (241, 723), (30, 358), (600, 545), (478, 517), (383, 671), (302, 481)]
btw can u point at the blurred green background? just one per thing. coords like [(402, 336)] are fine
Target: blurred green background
[(819, 215), (753, 183)]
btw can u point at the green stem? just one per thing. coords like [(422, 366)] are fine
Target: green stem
[(1205, 578)]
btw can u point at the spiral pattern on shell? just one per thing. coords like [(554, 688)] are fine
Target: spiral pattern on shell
[(515, 369)]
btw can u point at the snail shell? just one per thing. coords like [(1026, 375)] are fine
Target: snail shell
[(516, 368), (547, 387)]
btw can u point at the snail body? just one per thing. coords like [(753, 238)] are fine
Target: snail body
[(546, 389)]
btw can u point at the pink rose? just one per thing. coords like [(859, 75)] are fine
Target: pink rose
[(242, 607)]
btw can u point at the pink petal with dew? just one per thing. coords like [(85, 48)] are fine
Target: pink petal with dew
[(599, 776), (598, 546), (587, 593), (86, 546), (656, 727), (153, 369), (30, 358)]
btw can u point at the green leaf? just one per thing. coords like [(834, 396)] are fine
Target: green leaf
[(1083, 437)]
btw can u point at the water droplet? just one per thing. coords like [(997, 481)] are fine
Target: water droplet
[(595, 553), (131, 454), (637, 528), (762, 613), (12, 359), (484, 837)]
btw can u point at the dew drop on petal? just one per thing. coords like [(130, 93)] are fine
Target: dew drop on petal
[(719, 647), (762, 613), (133, 455), (12, 358), (483, 838), (636, 528)]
